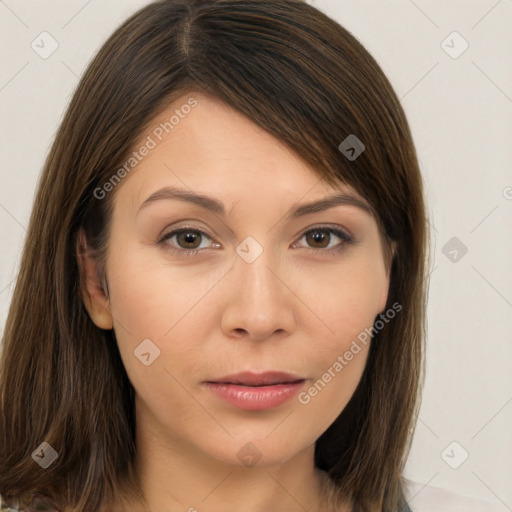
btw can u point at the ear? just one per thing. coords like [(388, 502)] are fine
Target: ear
[(95, 298), (388, 257)]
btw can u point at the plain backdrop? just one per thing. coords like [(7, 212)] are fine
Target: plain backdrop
[(459, 104)]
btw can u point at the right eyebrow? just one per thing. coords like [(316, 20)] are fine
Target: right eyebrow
[(207, 202)]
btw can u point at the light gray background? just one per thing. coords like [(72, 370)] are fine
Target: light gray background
[(460, 111)]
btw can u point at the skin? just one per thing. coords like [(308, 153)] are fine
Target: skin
[(296, 308)]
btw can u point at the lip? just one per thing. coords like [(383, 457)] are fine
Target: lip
[(250, 378), (256, 391)]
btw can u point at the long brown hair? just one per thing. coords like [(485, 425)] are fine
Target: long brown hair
[(307, 81)]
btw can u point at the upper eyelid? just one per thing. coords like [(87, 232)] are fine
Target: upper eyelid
[(333, 229), (183, 228)]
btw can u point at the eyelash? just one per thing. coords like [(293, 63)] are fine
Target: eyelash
[(194, 252)]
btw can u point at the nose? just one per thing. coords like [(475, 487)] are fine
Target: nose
[(259, 301)]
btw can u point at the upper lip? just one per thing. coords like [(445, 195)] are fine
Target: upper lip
[(258, 379)]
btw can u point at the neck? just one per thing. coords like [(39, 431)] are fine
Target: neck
[(176, 475)]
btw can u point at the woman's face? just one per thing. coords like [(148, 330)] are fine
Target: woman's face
[(258, 282)]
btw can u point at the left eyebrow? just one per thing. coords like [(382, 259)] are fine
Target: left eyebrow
[(214, 205), (328, 202)]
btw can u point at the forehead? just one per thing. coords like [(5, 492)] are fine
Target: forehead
[(211, 148)]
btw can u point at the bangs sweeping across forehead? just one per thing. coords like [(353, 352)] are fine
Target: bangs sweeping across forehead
[(307, 81)]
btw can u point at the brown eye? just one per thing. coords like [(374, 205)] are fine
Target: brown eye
[(188, 239), (321, 238), (318, 238)]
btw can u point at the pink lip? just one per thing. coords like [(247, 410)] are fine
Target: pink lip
[(258, 379), (256, 391)]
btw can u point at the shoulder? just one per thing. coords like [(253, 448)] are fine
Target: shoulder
[(425, 498), (4, 507), (36, 504)]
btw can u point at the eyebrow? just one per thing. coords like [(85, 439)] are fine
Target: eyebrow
[(216, 206)]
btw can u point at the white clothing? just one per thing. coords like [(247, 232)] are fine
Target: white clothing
[(423, 498)]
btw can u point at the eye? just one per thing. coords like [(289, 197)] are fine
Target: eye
[(321, 237), (187, 239)]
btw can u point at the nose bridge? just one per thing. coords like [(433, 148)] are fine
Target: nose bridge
[(257, 278), (259, 302), (255, 273)]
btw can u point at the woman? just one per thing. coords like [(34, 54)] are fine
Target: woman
[(222, 294)]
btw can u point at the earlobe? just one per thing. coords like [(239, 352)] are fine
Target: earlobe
[(94, 296)]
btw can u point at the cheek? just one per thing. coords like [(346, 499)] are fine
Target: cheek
[(340, 354), (167, 305), (149, 296), (347, 306), (327, 395), (141, 304), (346, 299)]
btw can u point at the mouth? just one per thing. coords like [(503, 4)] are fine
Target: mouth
[(253, 391), (252, 379)]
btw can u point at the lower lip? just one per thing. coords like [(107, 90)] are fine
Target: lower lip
[(255, 398)]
